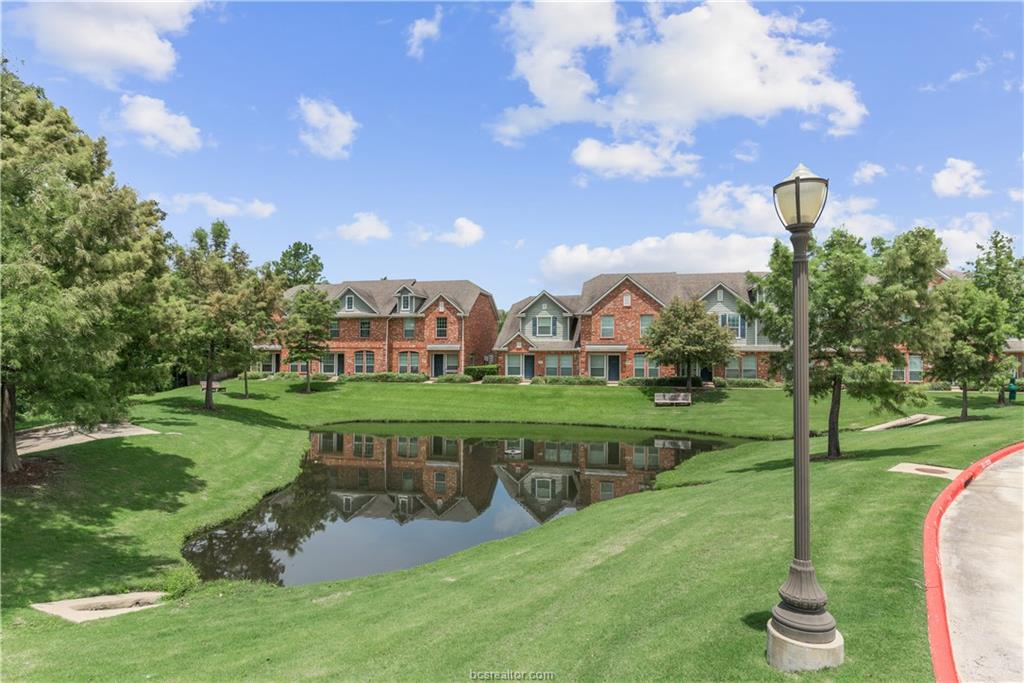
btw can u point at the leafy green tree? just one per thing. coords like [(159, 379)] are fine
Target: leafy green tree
[(84, 269), (223, 305), (1000, 271), (686, 333), (863, 309), (299, 265), (978, 320), (306, 327)]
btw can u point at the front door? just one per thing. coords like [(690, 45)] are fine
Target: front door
[(438, 364), (339, 363), (705, 374), (613, 368), (528, 367)]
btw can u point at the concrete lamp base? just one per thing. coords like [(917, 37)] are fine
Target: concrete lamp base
[(786, 654)]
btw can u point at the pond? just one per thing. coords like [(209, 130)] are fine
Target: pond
[(374, 498)]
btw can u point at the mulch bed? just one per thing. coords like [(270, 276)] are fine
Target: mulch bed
[(34, 472)]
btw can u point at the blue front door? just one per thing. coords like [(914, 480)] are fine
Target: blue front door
[(438, 364), (528, 367), (613, 368)]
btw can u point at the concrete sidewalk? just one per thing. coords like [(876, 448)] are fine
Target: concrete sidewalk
[(981, 545), (45, 438)]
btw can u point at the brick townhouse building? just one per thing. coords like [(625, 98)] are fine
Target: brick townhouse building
[(436, 327), (598, 331)]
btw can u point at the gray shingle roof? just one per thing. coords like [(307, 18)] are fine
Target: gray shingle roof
[(664, 286), (380, 294)]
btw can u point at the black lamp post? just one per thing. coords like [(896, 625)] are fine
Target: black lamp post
[(801, 618)]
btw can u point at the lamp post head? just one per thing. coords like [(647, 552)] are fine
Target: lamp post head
[(800, 199)]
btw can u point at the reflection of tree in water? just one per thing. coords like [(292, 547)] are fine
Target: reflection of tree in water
[(245, 548)]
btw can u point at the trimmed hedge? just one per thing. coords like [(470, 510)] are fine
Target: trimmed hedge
[(401, 377), (501, 379), (289, 375), (940, 386), (575, 380), (453, 379), (697, 382), (478, 372), (256, 375), (739, 382)]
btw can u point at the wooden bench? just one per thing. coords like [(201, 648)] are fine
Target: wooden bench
[(216, 386), (680, 399)]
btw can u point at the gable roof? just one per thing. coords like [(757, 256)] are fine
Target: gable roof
[(664, 286), (380, 295)]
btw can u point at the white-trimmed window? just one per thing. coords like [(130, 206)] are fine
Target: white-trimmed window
[(408, 481), (646, 320), (297, 367), (732, 368), (364, 362), (916, 367), (403, 505), (408, 446), (558, 364), (364, 329), (720, 294), (750, 367), (514, 364), (409, 328), (543, 325), (543, 488), (733, 321), (334, 329), (264, 364), (346, 503), (643, 366), (409, 361), (330, 442), (350, 302), (327, 364), (362, 445), (439, 482), (607, 490), (598, 365), (627, 300), (406, 302), (645, 457), (899, 373), (607, 326), (441, 327)]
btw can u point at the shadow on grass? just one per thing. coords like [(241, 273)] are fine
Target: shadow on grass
[(787, 462), (224, 411), (757, 620), (59, 542)]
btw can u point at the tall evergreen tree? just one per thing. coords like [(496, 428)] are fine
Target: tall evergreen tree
[(863, 309), (685, 333), (306, 327), (299, 265), (84, 270), (222, 305)]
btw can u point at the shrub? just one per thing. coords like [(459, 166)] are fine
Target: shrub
[(501, 379), (720, 382), (453, 379), (181, 580), (320, 377), (697, 382), (399, 377), (940, 386), (289, 375), (746, 382), (256, 375), (478, 372), (575, 380)]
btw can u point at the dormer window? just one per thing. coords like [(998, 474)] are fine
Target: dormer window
[(406, 302), (543, 326), (350, 302), (720, 294), (627, 299)]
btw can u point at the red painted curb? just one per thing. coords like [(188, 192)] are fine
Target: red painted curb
[(938, 628)]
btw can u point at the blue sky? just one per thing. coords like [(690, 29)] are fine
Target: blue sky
[(529, 147)]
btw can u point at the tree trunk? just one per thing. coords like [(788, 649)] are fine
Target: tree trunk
[(963, 400), (9, 445), (833, 419), (1001, 399), (245, 383), (689, 375), (309, 389)]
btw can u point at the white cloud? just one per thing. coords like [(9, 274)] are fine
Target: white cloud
[(857, 216), (1016, 194), (217, 208), (747, 208), (157, 127), (365, 226), (635, 160), (667, 72), (422, 30), (867, 172), (959, 177), (104, 41), (962, 235), (680, 251), (464, 233), (748, 152), (328, 131), (980, 66), (520, 243)]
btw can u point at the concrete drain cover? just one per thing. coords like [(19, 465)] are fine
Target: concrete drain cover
[(101, 606), (927, 470)]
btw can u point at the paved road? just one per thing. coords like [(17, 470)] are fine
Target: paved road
[(981, 545), (45, 438)]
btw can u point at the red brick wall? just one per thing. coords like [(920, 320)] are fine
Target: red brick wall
[(430, 316), (481, 330), (627, 326)]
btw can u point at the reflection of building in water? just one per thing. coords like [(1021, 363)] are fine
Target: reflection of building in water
[(403, 477), (432, 477)]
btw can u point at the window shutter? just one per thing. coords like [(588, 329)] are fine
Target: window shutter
[(554, 326), (534, 326), (743, 327)]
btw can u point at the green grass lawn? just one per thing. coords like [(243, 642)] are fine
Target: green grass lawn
[(674, 583)]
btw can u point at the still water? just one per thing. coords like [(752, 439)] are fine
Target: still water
[(374, 498)]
